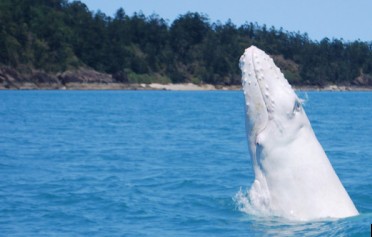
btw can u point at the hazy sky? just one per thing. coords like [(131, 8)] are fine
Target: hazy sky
[(347, 19)]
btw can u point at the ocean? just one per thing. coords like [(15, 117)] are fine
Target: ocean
[(160, 163)]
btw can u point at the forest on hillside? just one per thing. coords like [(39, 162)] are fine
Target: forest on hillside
[(58, 35)]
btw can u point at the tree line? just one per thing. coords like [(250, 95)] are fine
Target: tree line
[(57, 35)]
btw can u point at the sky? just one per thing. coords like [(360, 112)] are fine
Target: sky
[(342, 19)]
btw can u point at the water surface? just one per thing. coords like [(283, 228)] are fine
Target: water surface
[(141, 163)]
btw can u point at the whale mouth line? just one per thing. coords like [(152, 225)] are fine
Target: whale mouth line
[(262, 94)]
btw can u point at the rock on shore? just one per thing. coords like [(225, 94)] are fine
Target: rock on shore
[(31, 79), (34, 79)]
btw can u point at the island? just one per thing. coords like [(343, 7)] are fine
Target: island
[(62, 44)]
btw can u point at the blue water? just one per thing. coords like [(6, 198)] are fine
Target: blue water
[(134, 163)]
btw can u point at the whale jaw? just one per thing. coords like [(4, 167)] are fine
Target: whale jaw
[(293, 176), (268, 94)]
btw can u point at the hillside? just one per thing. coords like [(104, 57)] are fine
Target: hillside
[(44, 41)]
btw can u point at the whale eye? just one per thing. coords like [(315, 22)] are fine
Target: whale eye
[(297, 106)]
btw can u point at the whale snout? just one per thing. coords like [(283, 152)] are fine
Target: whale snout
[(255, 104)]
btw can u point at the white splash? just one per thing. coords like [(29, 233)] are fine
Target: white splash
[(253, 201)]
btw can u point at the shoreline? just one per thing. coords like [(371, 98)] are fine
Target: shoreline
[(166, 87), (89, 79)]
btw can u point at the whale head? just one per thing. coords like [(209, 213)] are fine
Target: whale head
[(271, 103), (293, 176)]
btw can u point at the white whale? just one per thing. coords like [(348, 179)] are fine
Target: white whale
[(293, 176)]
